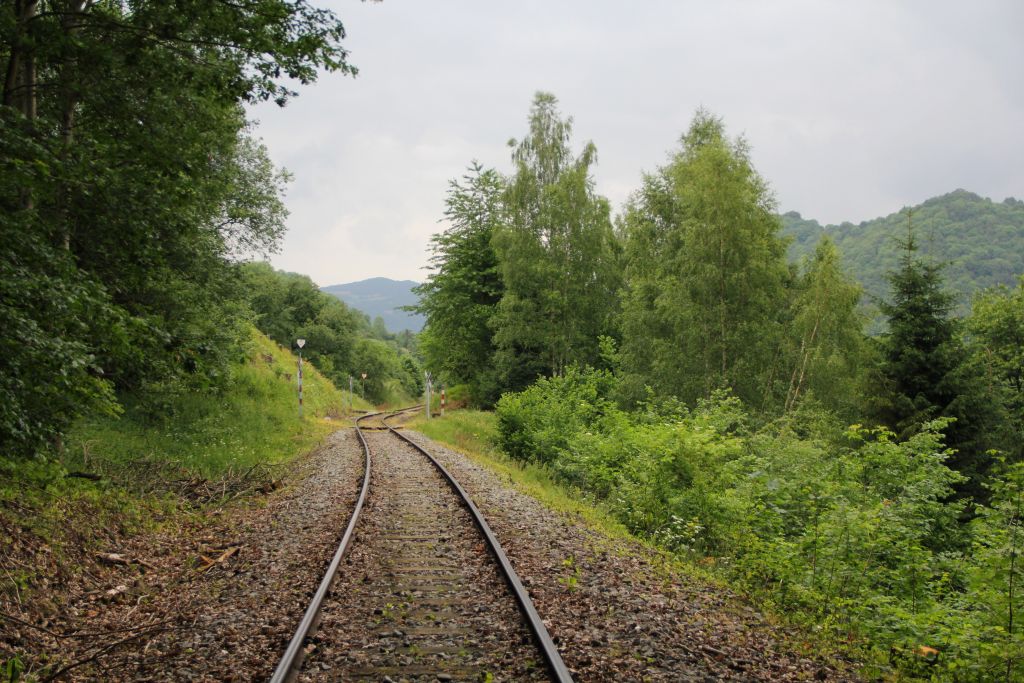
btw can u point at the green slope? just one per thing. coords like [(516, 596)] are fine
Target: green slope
[(254, 422), (981, 240)]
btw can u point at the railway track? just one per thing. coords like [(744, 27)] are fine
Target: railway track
[(424, 591)]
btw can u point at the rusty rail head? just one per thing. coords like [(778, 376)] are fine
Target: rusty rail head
[(288, 667), (558, 669)]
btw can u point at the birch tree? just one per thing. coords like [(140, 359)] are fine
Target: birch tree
[(556, 251), (706, 276)]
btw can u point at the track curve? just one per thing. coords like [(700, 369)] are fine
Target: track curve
[(291, 664)]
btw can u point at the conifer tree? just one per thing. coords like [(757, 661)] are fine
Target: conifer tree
[(925, 367)]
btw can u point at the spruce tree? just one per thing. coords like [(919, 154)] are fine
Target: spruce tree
[(925, 367)]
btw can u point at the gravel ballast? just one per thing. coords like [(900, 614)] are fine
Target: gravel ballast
[(418, 598), (214, 599), (617, 610)]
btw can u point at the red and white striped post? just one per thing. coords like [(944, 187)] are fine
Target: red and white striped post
[(442, 401), (300, 343)]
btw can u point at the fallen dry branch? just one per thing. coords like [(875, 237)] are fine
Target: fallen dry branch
[(221, 559), (99, 652), (119, 559)]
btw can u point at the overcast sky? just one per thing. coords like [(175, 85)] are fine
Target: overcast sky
[(852, 109)]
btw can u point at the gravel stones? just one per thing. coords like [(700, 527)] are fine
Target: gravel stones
[(617, 610), (182, 619), (419, 597)]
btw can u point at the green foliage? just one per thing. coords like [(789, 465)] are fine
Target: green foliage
[(556, 255), (460, 296), (475, 434), (705, 273), (128, 185), (981, 240), (340, 341), (997, 641), (825, 333), (534, 424), (849, 529), (49, 374), (254, 422), (526, 278), (995, 338), (925, 369)]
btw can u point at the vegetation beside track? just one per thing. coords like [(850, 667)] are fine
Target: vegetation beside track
[(748, 557), (117, 476), (254, 422), (474, 434)]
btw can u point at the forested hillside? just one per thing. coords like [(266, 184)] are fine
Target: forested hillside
[(729, 406), (340, 341), (981, 240)]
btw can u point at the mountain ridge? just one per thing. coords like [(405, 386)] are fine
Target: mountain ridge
[(980, 240), (381, 297)]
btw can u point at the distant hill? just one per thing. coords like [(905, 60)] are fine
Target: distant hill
[(381, 296), (981, 240)]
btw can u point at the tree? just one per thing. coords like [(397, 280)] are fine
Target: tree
[(705, 273), (130, 182), (995, 338), (556, 251), (925, 368), (460, 297), (827, 330), (379, 362), (289, 306)]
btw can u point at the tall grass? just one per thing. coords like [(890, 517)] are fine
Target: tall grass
[(255, 421)]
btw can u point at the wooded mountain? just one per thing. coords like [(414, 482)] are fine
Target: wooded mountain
[(384, 297), (981, 240)]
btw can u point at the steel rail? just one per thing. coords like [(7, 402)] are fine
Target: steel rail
[(287, 669), (547, 646)]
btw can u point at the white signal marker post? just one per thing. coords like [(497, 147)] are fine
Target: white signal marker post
[(362, 386), (426, 388), (300, 343)]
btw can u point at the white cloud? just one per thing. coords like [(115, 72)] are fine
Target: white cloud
[(852, 109)]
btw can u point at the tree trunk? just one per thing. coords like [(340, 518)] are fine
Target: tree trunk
[(69, 98), (796, 384), (20, 79)]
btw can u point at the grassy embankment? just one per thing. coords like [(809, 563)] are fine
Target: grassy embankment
[(129, 473), (254, 423)]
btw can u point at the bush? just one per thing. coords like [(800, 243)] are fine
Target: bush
[(846, 528)]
